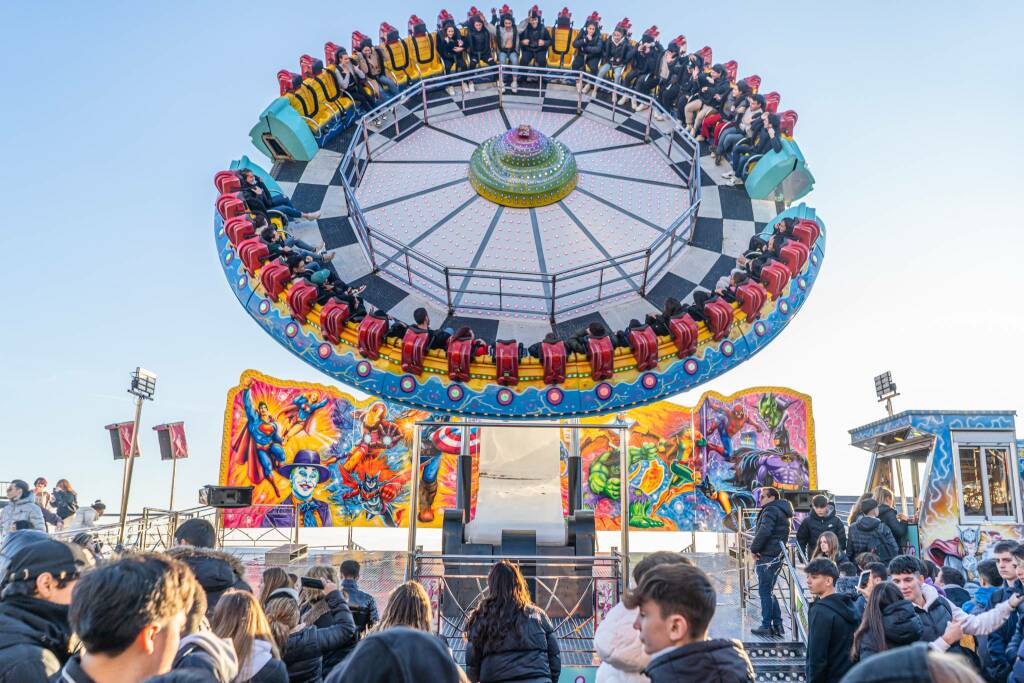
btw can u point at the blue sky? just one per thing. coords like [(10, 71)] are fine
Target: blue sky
[(118, 114)]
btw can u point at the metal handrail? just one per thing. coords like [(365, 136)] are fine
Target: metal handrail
[(656, 257)]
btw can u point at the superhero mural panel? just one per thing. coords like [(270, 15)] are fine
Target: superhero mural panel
[(318, 453), (693, 468)]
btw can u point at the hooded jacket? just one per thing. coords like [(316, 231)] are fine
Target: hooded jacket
[(937, 612), (717, 661), (533, 35), (478, 43), (832, 622), (33, 639), (215, 571), (528, 652), (903, 665), (773, 525), (618, 645), (398, 655), (902, 627), (23, 509), (262, 667), (205, 651), (618, 54), (868, 534), (307, 648), (814, 526), (890, 518)]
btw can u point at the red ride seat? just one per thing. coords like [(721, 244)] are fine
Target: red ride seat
[(775, 277), (253, 253), (644, 343), (731, 69), (239, 228), (794, 255), (772, 101), (230, 205), (752, 296), (754, 82), (787, 122), (371, 335), (275, 277), (506, 363), (601, 354), (414, 348), (706, 55), (807, 231), (685, 332), (333, 316), (552, 357), (301, 298), (226, 182), (719, 316), (460, 353)]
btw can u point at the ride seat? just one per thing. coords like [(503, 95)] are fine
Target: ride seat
[(787, 122), (752, 297), (644, 344), (754, 82), (230, 206), (414, 347), (303, 99), (227, 182), (775, 277), (238, 228), (370, 336), (301, 298), (333, 317), (506, 362), (772, 101), (794, 255), (561, 52), (460, 353), (731, 69), (328, 87), (718, 314), (396, 55), (275, 277), (685, 333), (253, 253), (807, 231), (601, 355), (706, 55), (553, 358)]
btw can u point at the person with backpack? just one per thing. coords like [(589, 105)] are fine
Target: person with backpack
[(868, 534), (65, 500)]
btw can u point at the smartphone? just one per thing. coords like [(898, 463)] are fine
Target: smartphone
[(865, 576), (308, 582)]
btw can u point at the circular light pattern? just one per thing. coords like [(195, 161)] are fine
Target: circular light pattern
[(523, 168), (324, 350), (784, 307), (760, 329), (727, 349), (455, 393), (604, 391), (802, 283), (814, 259), (649, 381), (264, 307), (363, 368), (504, 397), (291, 329), (554, 396), (690, 366), (242, 282), (229, 256), (407, 383)]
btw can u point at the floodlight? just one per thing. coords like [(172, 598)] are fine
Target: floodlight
[(143, 383), (884, 387)]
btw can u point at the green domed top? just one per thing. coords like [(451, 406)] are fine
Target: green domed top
[(522, 167)]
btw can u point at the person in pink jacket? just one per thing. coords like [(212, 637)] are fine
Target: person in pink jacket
[(616, 641)]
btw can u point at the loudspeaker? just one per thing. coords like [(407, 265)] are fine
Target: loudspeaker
[(801, 499), (226, 496)]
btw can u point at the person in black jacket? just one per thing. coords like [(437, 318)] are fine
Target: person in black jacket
[(534, 40), (889, 621), (215, 571), (34, 629), (831, 624), (1001, 653), (452, 49), (675, 604), (362, 604), (589, 49), (399, 655), (868, 534), (303, 646), (510, 638), (768, 548), (951, 580), (766, 138), (437, 339), (643, 74), (897, 523), (822, 518), (478, 44), (617, 54)]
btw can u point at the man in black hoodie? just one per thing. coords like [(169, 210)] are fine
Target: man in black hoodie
[(398, 655), (897, 523), (34, 629), (822, 518), (831, 624), (868, 534), (215, 571), (768, 548)]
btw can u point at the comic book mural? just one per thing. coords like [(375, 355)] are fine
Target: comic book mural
[(316, 452), (693, 468)]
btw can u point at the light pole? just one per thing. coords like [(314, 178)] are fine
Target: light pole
[(143, 386)]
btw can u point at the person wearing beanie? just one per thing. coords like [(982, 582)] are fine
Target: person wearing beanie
[(398, 655), (868, 534), (21, 508), (34, 629)]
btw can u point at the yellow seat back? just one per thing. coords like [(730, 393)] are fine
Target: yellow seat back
[(396, 60), (561, 53), (423, 54), (330, 89)]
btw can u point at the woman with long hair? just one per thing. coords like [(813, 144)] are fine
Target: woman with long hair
[(408, 605), (510, 638), (855, 510), (275, 579), (315, 610), (239, 618), (65, 499), (828, 546), (889, 621)]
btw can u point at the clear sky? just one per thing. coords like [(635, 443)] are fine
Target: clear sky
[(117, 114)]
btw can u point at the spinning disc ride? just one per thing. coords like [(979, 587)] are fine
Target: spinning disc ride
[(514, 214)]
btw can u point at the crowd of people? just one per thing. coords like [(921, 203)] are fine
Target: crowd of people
[(34, 507)]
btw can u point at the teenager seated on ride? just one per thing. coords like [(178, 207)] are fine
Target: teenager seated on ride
[(747, 125), (712, 90), (580, 342), (669, 74), (736, 105), (727, 285), (259, 200), (438, 339), (351, 80), (507, 39), (285, 244), (371, 62), (301, 266), (478, 44), (643, 75), (330, 286), (589, 48), (767, 139), (452, 49), (617, 53), (534, 40)]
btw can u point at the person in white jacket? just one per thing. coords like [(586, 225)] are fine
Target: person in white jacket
[(944, 623), (616, 641), (85, 518)]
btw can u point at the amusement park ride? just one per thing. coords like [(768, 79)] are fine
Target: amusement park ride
[(522, 215)]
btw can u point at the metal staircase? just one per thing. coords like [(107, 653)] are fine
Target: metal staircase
[(777, 661)]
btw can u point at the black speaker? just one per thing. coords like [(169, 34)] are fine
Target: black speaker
[(226, 496), (801, 499)]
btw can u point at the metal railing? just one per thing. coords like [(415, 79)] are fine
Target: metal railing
[(531, 292), (151, 531)]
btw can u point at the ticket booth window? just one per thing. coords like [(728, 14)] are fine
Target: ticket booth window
[(986, 482)]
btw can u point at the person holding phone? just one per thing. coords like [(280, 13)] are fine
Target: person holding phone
[(889, 621)]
